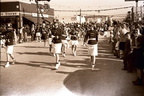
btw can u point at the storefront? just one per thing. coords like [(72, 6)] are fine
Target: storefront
[(22, 13)]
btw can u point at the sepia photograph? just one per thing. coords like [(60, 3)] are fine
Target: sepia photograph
[(71, 47)]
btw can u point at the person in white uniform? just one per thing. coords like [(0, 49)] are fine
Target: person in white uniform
[(57, 43), (91, 38), (10, 42)]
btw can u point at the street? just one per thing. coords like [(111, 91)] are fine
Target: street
[(32, 75)]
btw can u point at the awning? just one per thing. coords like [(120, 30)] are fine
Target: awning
[(33, 19)]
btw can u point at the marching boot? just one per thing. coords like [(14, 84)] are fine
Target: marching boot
[(7, 65), (57, 66), (93, 66)]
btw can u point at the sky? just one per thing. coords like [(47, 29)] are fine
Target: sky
[(91, 5)]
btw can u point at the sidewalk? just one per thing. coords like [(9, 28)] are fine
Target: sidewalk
[(32, 74)]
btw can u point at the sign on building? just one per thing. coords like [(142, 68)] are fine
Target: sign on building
[(9, 13)]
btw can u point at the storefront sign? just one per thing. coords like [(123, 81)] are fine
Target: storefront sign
[(35, 15), (9, 13)]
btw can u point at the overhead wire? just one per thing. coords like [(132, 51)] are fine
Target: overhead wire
[(91, 10)]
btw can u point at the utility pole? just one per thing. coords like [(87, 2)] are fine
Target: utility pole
[(136, 10), (38, 12), (80, 16), (132, 14), (38, 19), (141, 9)]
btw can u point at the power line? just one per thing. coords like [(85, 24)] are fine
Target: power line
[(94, 10), (55, 5)]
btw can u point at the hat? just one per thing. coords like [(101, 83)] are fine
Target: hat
[(9, 25)]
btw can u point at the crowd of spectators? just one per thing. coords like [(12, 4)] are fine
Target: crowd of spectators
[(127, 43)]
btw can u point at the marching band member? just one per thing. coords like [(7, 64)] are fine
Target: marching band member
[(10, 42), (92, 37), (65, 43), (74, 40), (57, 43)]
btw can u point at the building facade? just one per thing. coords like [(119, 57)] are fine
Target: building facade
[(25, 12)]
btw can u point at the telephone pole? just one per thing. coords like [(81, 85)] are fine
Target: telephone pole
[(38, 11), (136, 10), (80, 16), (38, 19), (132, 14)]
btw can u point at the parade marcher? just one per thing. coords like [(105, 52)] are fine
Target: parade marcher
[(83, 34), (2, 42), (49, 38), (2, 39), (38, 35), (92, 37), (74, 40), (64, 42), (44, 34), (57, 43), (10, 42)]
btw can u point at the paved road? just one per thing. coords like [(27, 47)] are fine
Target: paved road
[(32, 74)]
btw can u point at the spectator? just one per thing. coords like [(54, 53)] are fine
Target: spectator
[(116, 38), (21, 35), (127, 50), (25, 33), (122, 40), (33, 32), (139, 58)]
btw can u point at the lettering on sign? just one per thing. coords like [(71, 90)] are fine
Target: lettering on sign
[(35, 15), (9, 13)]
